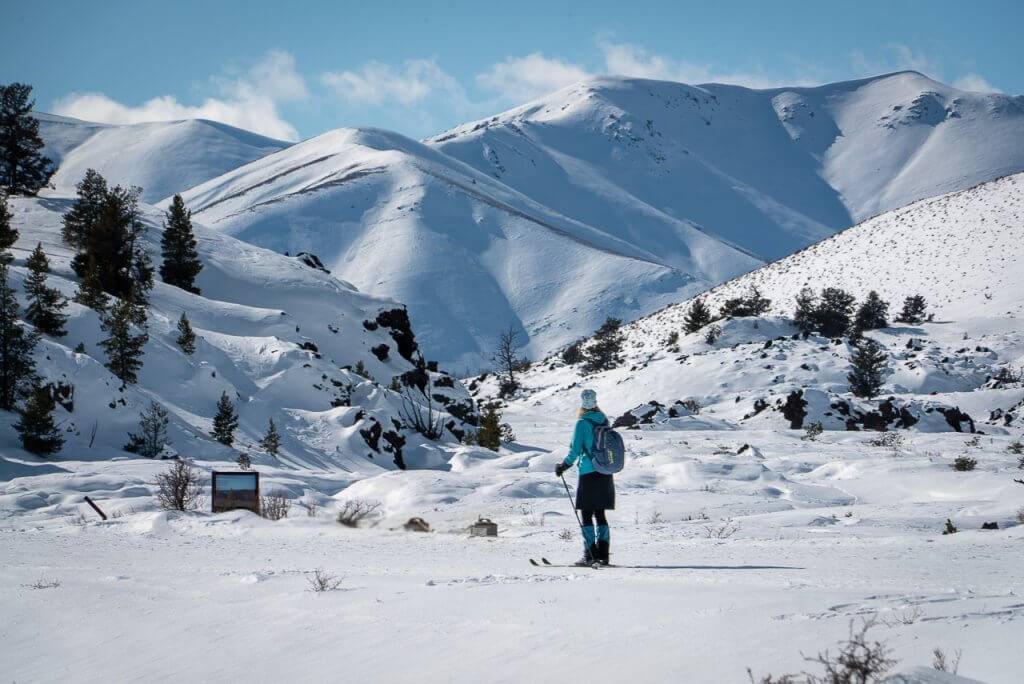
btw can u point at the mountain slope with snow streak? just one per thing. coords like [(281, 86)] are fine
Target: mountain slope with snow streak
[(163, 158), (767, 170)]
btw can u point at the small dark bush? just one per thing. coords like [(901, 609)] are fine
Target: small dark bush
[(963, 463)]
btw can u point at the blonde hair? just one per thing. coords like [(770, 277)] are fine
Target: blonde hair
[(585, 411)]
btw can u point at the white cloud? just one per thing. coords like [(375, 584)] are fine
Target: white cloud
[(376, 83), (975, 82), (894, 57), (249, 101), (626, 59), (529, 77)]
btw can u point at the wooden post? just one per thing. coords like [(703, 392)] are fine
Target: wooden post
[(95, 508)]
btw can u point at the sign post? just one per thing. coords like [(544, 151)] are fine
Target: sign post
[(233, 490)]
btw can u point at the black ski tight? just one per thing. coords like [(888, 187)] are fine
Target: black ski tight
[(590, 515)]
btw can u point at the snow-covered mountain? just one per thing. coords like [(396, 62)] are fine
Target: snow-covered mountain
[(610, 197), (767, 170), (962, 251), (281, 337), (466, 253), (161, 157)]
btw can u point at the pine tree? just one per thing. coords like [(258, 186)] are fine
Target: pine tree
[(187, 338), (869, 364), (85, 214), (39, 435), (749, 304), (140, 284), (124, 349), (45, 303), (806, 316), (225, 422), (181, 262), (152, 436), (112, 242), (8, 234), (90, 289), (604, 352), (834, 312), (271, 442), (488, 435), (22, 167), (872, 314), (697, 317), (913, 310), (17, 367)]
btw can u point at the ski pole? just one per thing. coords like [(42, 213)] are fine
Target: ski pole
[(569, 494)]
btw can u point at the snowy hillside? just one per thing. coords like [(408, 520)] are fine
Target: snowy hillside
[(281, 337), (610, 197), (163, 157), (767, 170), (468, 255), (962, 251)]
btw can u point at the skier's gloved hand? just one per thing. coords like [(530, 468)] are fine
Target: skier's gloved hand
[(561, 468)]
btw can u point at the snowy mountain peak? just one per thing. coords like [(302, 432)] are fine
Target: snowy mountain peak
[(163, 158)]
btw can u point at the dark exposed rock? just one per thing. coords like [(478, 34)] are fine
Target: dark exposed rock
[(395, 442), (957, 418), (372, 434), (397, 320), (370, 325), (311, 260), (381, 351)]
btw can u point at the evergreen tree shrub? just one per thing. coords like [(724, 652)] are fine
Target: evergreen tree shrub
[(225, 422), (23, 168)]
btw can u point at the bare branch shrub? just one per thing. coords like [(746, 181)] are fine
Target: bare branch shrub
[(907, 617), (812, 431), (178, 487), (425, 420), (44, 583), (726, 529), (655, 518), (353, 512), (506, 361), (944, 663), (893, 441), (859, 661), (275, 505), (566, 535), (320, 581)]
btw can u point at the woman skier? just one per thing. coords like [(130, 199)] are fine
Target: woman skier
[(595, 493)]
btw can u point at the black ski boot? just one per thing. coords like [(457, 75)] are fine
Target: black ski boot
[(589, 557), (603, 549)]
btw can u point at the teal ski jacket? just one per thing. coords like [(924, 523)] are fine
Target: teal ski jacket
[(583, 441)]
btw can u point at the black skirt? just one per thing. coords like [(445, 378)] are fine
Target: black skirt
[(595, 492)]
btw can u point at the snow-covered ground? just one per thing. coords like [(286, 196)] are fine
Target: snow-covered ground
[(826, 533)]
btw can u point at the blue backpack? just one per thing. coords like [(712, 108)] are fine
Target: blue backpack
[(609, 452)]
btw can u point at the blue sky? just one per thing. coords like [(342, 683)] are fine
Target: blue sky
[(295, 69)]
